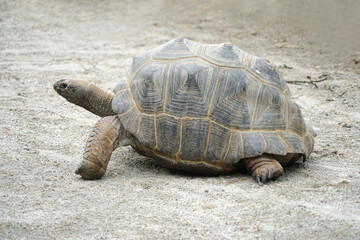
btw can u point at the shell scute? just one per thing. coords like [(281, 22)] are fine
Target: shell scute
[(122, 102), (146, 133), (296, 121), (270, 112), (233, 103), (190, 87), (193, 141), (120, 85), (274, 144), (235, 152), (176, 48), (147, 86), (254, 144), (224, 54), (217, 144), (266, 72), (293, 142), (130, 120), (168, 135)]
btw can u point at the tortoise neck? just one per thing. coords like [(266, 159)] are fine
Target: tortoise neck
[(97, 101)]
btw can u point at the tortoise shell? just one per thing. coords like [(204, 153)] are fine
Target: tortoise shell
[(204, 107)]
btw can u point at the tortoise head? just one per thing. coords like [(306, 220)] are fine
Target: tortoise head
[(86, 95), (72, 90)]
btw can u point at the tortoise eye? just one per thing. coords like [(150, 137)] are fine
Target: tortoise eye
[(63, 86)]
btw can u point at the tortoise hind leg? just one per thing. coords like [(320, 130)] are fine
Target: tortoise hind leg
[(263, 168), (103, 139)]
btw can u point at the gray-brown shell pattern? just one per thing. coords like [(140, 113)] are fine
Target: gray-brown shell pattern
[(209, 105)]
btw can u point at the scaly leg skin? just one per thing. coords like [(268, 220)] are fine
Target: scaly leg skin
[(264, 168), (103, 139)]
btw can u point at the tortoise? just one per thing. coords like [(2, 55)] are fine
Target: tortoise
[(203, 108)]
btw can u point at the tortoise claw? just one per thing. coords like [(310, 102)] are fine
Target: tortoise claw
[(267, 171), (263, 178), (270, 174)]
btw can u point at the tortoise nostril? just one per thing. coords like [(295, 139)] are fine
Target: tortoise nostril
[(63, 86)]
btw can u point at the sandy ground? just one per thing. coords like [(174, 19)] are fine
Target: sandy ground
[(42, 136)]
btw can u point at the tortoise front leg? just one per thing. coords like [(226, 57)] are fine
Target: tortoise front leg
[(263, 168), (103, 139)]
